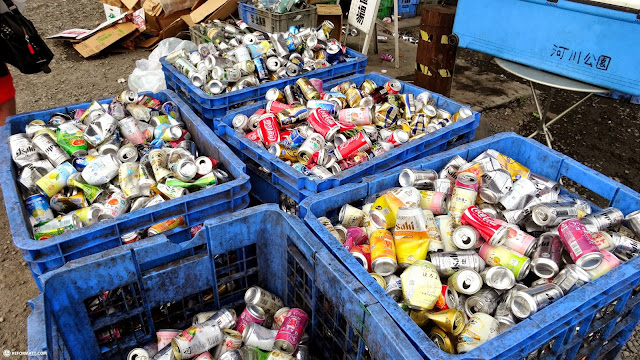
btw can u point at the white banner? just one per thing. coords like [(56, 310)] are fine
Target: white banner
[(362, 14)]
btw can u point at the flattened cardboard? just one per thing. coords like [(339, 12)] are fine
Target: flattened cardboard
[(130, 4), (156, 24), (104, 39), (187, 19), (220, 9)]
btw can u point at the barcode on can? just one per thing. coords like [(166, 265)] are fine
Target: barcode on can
[(577, 250)]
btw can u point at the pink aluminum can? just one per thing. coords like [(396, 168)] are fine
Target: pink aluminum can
[(275, 107), (355, 116), (291, 331), (519, 241), (317, 83), (323, 123), (355, 236), (164, 337), (581, 247), (359, 142), (467, 180), (609, 261), (251, 314), (269, 129)]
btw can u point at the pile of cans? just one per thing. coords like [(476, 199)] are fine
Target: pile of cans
[(265, 330), (323, 133), (238, 58), (280, 6), (97, 163), (481, 245)]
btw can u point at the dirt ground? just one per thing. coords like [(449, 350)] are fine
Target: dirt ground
[(602, 133)]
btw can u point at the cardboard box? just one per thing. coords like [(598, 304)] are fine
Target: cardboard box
[(104, 38), (214, 9), (112, 12), (332, 13), (156, 24)]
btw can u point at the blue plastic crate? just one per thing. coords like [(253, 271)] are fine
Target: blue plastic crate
[(585, 40), (408, 2), (258, 246), (298, 186), (43, 256), (407, 11), (270, 22), (213, 107), (582, 308)]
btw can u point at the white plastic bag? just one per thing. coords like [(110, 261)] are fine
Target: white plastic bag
[(148, 74)]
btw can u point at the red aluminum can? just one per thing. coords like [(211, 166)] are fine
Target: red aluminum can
[(251, 314), (254, 135), (580, 244), (362, 253), (490, 230), (260, 112), (393, 87), (275, 107), (323, 123), (269, 130), (359, 142), (291, 331), (467, 180)]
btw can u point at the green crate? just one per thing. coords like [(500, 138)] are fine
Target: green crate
[(384, 11)]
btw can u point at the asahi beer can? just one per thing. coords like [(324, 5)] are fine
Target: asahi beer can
[(196, 340), (465, 237), (632, 221), (498, 277), (251, 314), (465, 281), (258, 336), (50, 149), (479, 329), (484, 301), (495, 184), (260, 297), (579, 244), (529, 301), (518, 264), (461, 199), (552, 214), (291, 331), (23, 152), (608, 218), (447, 263), (571, 277), (547, 257)]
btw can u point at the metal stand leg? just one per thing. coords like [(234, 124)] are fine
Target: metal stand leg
[(375, 37)]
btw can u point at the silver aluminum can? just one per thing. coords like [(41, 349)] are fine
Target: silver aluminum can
[(527, 302), (259, 336), (420, 179), (313, 143), (394, 287), (498, 277), (503, 311), (465, 237), (443, 185), (547, 257), (450, 171), (547, 188), (224, 318), (552, 214), (625, 247), (32, 173), (302, 353), (632, 221), (484, 301), (447, 263), (609, 218), (23, 152), (260, 297), (495, 184), (234, 354), (571, 278), (489, 210), (127, 153), (50, 149), (240, 123), (518, 195)]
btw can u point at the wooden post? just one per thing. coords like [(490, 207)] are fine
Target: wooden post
[(436, 55)]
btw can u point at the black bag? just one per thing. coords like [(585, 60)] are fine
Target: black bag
[(20, 44)]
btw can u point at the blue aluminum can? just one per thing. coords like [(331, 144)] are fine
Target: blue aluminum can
[(38, 209), (261, 68), (294, 140)]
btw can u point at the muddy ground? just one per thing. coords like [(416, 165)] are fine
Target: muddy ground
[(602, 133)]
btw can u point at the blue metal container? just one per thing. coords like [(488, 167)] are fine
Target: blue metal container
[(285, 179), (584, 40), (43, 256), (608, 307), (259, 246)]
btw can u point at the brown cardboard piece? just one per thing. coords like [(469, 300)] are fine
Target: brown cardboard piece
[(219, 9), (156, 24), (152, 7), (104, 39), (130, 4)]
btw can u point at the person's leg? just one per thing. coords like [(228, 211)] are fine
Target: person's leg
[(7, 95)]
